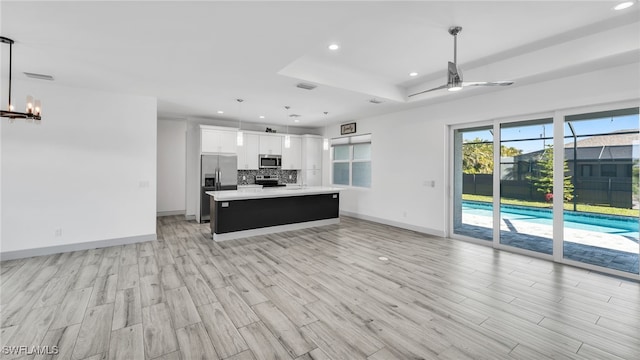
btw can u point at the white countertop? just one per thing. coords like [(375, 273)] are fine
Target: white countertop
[(256, 193)]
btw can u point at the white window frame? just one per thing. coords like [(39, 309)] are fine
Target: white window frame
[(350, 141)]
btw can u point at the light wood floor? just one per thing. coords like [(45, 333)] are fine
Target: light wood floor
[(314, 294)]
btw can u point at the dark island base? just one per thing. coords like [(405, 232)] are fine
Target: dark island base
[(240, 215)]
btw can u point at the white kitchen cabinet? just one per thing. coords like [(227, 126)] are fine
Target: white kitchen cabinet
[(271, 144), (311, 152), (248, 152), (217, 141), (312, 177), (292, 157)]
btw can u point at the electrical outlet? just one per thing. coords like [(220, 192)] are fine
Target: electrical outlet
[(244, 177), (58, 232), (404, 214), (290, 177), (144, 184)]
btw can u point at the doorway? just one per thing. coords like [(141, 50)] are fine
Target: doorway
[(577, 203)]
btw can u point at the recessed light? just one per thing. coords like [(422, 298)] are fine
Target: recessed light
[(296, 120), (383, 258), (413, 74), (334, 47), (623, 5), (220, 112), (261, 116)]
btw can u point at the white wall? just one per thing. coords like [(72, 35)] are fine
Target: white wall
[(1, 204), (410, 147), (89, 169), (172, 166)]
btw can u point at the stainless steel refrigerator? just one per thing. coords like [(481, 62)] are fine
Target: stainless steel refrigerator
[(217, 172)]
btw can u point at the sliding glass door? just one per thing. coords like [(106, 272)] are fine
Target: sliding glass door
[(473, 183), (601, 220), (577, 203), (526, 185)]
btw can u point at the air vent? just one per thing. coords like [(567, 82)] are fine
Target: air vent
[(306, 86), (294, 116), (38, 76), (375, 101)]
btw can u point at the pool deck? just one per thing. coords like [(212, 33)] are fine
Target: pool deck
[(608, 250)]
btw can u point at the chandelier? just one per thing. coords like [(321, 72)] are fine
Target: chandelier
[(33, 107)]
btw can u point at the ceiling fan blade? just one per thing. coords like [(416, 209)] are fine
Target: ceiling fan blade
[(426, 91), (487, 83)]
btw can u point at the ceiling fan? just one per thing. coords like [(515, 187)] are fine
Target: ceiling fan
[(454, 75)]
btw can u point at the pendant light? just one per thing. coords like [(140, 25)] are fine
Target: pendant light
[(33, 108), (325, 141), (240, 135), (287, 137)]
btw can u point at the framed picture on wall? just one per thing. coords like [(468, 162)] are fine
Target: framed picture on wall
[(347, 128)]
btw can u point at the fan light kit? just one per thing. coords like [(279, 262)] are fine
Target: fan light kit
[(454, 74), (33, 106)]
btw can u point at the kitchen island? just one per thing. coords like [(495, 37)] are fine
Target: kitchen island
[(251, 212)]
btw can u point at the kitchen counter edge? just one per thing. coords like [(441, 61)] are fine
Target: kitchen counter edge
[(230, 195)]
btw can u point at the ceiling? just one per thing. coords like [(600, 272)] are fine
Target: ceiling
[(198, 57)]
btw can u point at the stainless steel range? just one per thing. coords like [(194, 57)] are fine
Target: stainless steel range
[(268, 180)]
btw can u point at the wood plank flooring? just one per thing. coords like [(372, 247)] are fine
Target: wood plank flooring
[(313, 294)]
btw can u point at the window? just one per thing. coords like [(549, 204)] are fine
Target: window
[(351, 161), (628, 170), (608, 170), (586, 170), (341, 164)]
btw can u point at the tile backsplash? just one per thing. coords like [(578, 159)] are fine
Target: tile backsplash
[(251, 175)]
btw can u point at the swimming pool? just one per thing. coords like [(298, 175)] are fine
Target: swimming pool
[(610, 224)]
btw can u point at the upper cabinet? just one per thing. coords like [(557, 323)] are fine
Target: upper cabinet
[(217, 140), (292, 156), (304, 153), (311, 177), (271, 144), (249, 151), (312, 152)]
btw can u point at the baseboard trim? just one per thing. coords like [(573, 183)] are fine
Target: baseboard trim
[(170, 213), (20, 254), (273, 229), (397, 224), (190, 217)]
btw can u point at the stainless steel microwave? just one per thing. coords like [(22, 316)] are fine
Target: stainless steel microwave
[(269, 161)]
